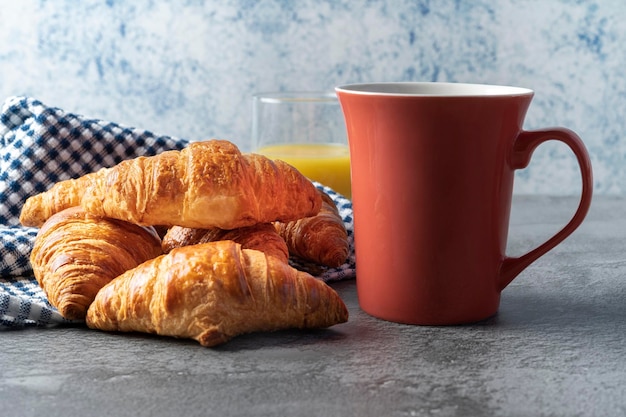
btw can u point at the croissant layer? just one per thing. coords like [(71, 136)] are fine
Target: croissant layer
[(207, 184), (322, 238), (212, 292), (75, 255), (262, 237)]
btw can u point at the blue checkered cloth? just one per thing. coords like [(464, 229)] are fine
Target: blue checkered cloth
[(41, 145)]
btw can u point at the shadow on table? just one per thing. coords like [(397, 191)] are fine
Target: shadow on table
[(561, 312)]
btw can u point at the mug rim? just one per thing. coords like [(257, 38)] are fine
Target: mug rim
[(432, 89)]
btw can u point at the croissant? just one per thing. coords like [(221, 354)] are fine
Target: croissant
[(207, 184), (75, 254), (262, 236), (212, 292), (322, 238)]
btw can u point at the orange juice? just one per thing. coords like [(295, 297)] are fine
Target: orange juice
[(326, 163)]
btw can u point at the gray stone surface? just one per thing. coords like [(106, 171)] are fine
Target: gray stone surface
[(557, 347)]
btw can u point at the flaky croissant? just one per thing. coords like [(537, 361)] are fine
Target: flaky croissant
[(207, 184), (262, 237), (213, 292), (322, 238), (75, 255)]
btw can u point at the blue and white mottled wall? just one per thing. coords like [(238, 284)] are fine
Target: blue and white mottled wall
[(188, 68)]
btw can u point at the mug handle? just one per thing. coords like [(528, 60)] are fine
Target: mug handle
[(523, 148)]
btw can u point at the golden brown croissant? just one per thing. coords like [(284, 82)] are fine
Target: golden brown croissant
[(322, 238), (213, 292), (74, 255), (207, 184), (64, 194), (262, 237)]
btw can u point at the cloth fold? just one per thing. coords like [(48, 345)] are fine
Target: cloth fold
[(41, 145)]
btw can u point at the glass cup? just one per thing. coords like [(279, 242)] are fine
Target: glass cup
[(306, 130)]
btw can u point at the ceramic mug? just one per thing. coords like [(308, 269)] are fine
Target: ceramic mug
[(432, 167)]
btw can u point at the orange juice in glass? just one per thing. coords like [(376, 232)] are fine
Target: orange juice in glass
[(306, 130), (326, 163)]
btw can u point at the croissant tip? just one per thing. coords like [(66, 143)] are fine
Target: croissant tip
[(344, 318), (73, 312), (212, 337), (343, 315)]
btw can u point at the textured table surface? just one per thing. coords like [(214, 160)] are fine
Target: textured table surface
[(556, 347)]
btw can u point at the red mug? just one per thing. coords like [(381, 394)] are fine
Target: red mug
[(432, 168)]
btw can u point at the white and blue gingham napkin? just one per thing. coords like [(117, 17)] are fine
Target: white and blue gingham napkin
[(41, 145)]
